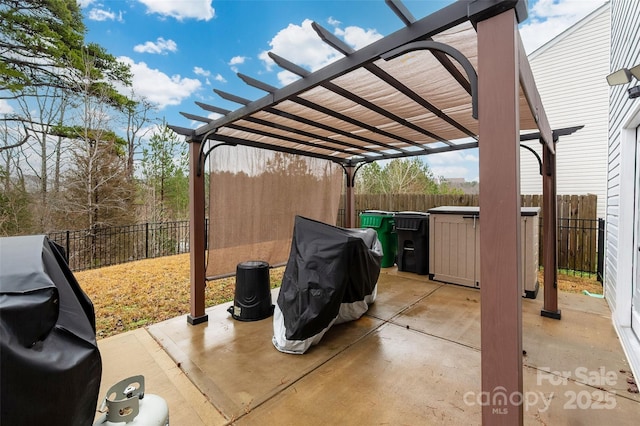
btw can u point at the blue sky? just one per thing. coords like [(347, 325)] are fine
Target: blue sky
[(180, 50)]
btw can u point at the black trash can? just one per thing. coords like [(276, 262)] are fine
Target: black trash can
[(413, 242), (252, 299)]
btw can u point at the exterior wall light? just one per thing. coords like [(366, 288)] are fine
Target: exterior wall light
[(624, 76)]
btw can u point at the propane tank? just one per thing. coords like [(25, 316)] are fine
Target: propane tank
[(126, 402)]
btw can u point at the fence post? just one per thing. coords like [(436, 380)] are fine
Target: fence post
[(206, 233), (146, 240), (67, 246), (600, 270)]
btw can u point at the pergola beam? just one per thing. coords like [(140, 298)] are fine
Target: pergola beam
[(530, 90), (231, 97), (401, 11), (257, 83), (195, 117), (332, 40), (212, 108), (288, 65)]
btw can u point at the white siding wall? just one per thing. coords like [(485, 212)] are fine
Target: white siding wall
[(625, 52), (622, 181), (570, 74)]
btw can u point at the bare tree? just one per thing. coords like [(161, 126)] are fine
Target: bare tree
[(400, 176), (97, 192), (42, 110), (15, 214), (137, 115)]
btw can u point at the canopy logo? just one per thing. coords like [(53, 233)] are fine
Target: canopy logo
[(500, 400)]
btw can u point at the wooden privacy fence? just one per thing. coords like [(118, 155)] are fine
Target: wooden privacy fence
[(578, 224)]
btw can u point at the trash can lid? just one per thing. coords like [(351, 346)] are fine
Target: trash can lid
[(412, 213), (253, 264), (377, 212)]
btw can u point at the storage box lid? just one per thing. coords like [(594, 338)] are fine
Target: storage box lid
[(475, 210)]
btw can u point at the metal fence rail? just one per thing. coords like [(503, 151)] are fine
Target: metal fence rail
[(580, 244), (104, 246)]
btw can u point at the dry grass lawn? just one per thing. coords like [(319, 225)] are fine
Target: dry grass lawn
[(140, 293), (144, 292)]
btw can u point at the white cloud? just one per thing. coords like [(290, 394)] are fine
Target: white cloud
[(287, 77), (100, 15), (454, 164), (159, 88), (358, 37), (452, 157), (237, 60), (85, 3), (301, 45), (471, 157), (548, 18), (5, 108), (200, 10), (333, 22), (201, 71), (152, 130), (160, 46), (450, 172), (220, 78)]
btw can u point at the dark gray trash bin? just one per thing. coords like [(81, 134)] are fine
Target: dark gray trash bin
[(413, 242)]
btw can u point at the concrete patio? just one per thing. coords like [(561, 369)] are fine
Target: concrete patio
[(414, 358)]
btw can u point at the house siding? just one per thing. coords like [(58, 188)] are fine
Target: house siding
[(625, 52), (570, 75), (621, 185)]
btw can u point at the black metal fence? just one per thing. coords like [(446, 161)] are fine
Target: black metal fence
[(104, 246), (580, 244)]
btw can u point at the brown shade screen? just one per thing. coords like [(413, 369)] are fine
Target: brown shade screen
[(254, 196)]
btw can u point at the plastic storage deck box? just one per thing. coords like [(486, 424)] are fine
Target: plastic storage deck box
[(454, 246)]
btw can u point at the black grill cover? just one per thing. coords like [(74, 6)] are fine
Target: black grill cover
[(330, 277), (50, 367)]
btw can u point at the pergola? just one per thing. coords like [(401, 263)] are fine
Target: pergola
[(456, 79)]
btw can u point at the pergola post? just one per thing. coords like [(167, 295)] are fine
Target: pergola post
[(197, 236), (549, 241), (350, 197), (500, 251)]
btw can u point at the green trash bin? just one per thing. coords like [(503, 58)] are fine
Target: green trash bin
[(384, 225)]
